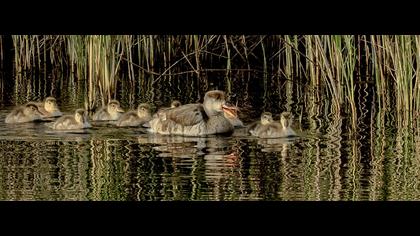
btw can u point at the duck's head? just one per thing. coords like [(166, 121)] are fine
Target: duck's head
[(286, 119), (114, 107), (175, 103), (266, 118), (31, 109), (144, 110), (50, 104), (215, 103)]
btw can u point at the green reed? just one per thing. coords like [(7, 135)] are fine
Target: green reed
[(332, 63), (105, 55)]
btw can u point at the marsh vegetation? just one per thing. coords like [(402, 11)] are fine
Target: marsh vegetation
[(355, 97)]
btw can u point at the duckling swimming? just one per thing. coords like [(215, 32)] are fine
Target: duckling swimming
[(270, 129), (110, 112), (49, 107), (136, 118), (262, 125), (286, 120), (195, 119), (25, 113), (68, 122)]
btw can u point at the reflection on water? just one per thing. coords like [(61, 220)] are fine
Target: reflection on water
[(328, 161)]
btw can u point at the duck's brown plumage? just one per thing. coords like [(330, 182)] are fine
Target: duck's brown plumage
[(194, 119)]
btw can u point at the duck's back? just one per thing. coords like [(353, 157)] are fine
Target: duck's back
[(188, 120), (15, 115), (67, 122), (45, 113), (18, 115), (131, 118), (254, 127), (182, 120), (289, 132), (102, 114), (55, 113), (274, 130)]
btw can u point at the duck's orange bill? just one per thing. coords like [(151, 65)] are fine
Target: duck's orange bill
[(230, 110)]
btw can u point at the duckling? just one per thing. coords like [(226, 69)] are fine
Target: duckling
[(25, 113), (174, 104), (270, 129), (195, 119), (136, 118), (259, 127), (110, 112), (49, 107), (68, 122), (286, 120), (161, 114)]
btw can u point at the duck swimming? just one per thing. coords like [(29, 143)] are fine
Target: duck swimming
[(270, 129), (69, 122), (49, 107), (195, 119), (136, 118), (110, 112), (25, 113)]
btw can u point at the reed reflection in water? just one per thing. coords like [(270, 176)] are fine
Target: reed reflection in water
[(328, 161)]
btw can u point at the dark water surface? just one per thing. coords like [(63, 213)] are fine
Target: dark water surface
[(327, 161)]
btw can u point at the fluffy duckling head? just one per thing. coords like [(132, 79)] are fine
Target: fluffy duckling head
[(266, 118), (144, 110), (114, 107), (50, 104), (286, 119)]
